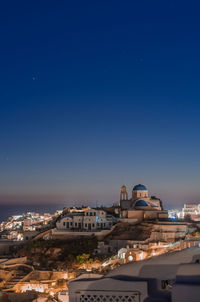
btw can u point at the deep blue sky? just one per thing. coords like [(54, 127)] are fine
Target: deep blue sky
[(96, 94)]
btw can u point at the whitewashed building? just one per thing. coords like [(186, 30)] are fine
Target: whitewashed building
[(191, 210), (89, 220)]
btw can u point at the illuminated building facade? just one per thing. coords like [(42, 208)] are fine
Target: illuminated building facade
[(89, 220)]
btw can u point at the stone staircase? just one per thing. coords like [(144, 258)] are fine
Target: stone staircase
[(9, 285)]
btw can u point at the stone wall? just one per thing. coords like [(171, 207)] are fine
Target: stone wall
[(168, 231), (59, 234)]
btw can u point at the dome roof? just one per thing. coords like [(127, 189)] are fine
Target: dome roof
[(139, 188), (141, 203)]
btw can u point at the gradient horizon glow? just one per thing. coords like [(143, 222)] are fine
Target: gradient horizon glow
[(97, 94)]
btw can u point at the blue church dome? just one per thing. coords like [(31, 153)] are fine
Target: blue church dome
[(141, 203), (139, 188)]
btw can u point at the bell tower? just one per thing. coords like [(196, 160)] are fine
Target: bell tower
[(123, 193)]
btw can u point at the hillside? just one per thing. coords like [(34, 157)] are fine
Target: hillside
[(126, 231)]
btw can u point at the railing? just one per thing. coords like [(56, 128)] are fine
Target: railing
[(108, 296)]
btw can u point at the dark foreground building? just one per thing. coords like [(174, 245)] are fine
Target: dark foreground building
[(173, 277)]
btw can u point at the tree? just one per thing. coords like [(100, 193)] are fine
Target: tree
[(84, 258)]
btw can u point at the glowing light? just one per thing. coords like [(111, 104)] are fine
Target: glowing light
[(66, 276), (141, 256)]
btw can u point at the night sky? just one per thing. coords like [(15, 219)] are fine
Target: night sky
[(97, 94)]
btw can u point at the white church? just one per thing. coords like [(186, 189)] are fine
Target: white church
[(140, 206)]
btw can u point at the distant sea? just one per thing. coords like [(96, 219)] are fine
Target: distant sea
[(9, 210)]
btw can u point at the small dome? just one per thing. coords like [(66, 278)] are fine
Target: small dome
[(141, 203), (139, 188)]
